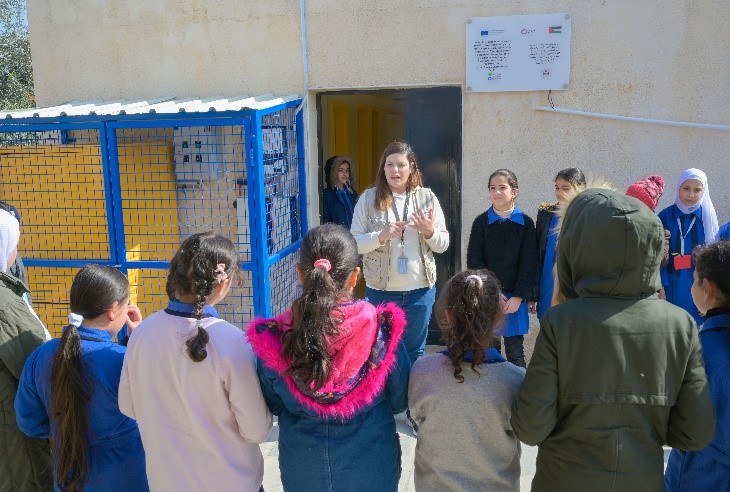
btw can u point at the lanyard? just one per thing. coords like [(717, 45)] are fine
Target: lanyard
[(682, 236), (405, 216)]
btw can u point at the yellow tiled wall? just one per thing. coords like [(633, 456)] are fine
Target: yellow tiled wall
[(59, 191)]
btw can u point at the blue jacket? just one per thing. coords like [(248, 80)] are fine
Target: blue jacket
[(709, 469), (724, 232), (116, 456), (677, 283), (338, 209), (342, 438)]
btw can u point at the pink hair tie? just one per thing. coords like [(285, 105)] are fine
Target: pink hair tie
[(324, 263), (220, 273)]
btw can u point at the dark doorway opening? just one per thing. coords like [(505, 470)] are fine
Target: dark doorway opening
[(360, 124)]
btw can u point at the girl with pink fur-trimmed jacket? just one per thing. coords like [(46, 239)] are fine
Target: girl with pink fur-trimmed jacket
[(334, 371)]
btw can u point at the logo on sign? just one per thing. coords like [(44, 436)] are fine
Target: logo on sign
[(527, 31)]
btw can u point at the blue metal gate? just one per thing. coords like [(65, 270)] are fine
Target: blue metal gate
[(125, 190)]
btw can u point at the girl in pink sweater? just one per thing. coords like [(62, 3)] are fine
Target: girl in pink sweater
[(189, 379)]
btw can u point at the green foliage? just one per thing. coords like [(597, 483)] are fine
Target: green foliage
[(16, 73)]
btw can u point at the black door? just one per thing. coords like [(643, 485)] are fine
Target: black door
[(433, 128)]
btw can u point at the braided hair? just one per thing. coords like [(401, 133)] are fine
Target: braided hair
[(203, 261)]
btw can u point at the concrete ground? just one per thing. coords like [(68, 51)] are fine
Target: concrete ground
[(270, 450)]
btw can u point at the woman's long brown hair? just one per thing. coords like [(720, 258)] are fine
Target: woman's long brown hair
[(383, 195)]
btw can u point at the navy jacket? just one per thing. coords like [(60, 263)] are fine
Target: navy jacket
[(117, 460), (709, 469), (334, 210)]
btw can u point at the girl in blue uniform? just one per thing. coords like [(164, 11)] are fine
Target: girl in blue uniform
[(568, 181), (338, 197), (503, 240), (68, 390), (709, 468), (691, 221)]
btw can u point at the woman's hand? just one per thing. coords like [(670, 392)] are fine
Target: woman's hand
[(512, 305), (422, 221), (391, 231), (134, 318)]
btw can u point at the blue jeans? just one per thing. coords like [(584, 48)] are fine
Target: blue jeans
[(417, 305)]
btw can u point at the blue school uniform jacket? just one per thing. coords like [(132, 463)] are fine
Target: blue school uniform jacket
[(116, 456), (709, 469), (724, 232), (677, 283), (338, 205)]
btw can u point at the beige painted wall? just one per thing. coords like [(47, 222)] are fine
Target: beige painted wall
[(133, 49), (665, 60)]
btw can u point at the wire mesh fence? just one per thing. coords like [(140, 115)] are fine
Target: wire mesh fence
[(126, 192)]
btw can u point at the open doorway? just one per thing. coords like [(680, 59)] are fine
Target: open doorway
[(359, 124)]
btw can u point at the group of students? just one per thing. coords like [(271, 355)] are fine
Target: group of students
[(183, 403)]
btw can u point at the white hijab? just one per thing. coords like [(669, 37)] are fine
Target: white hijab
[(9, 237), (709, 216)]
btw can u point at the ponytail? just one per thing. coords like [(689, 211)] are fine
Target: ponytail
[(95, 289), (313, 321), (70, 396), (327, 258), (472, 299)]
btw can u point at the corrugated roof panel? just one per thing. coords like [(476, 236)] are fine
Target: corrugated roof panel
[(160, 105)]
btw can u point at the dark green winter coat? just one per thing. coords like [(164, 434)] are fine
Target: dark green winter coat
[(616, 371), (25, 464)]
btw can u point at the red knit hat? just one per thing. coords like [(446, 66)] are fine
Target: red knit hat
[(648, 190)]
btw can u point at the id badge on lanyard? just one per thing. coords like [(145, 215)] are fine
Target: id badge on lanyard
[(402, 259), (683, 261)]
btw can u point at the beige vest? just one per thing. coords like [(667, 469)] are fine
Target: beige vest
[(376, 264)]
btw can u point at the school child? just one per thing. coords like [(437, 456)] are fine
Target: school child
[(189, 378), (25, 463), (691, 221), (568, 181), (503, 240), (616, 372), (68, 390), (338, 196), (335, 371), (462, 397), (709, 468)]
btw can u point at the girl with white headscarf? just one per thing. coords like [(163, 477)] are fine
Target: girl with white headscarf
[(27, 461), (691, 221)]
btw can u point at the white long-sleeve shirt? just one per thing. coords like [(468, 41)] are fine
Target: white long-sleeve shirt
[(200, 422)]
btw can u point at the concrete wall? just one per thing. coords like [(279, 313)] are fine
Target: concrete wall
[(133, 49), (664, 60)]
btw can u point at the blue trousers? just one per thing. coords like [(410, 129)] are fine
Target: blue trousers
[(418, 305)]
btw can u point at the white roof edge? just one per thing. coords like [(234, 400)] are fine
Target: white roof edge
[(165, 105)]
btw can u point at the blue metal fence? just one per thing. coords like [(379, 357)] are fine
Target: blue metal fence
[(125, 190)]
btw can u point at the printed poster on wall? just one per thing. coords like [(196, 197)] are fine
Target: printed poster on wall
[(518, 53)]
